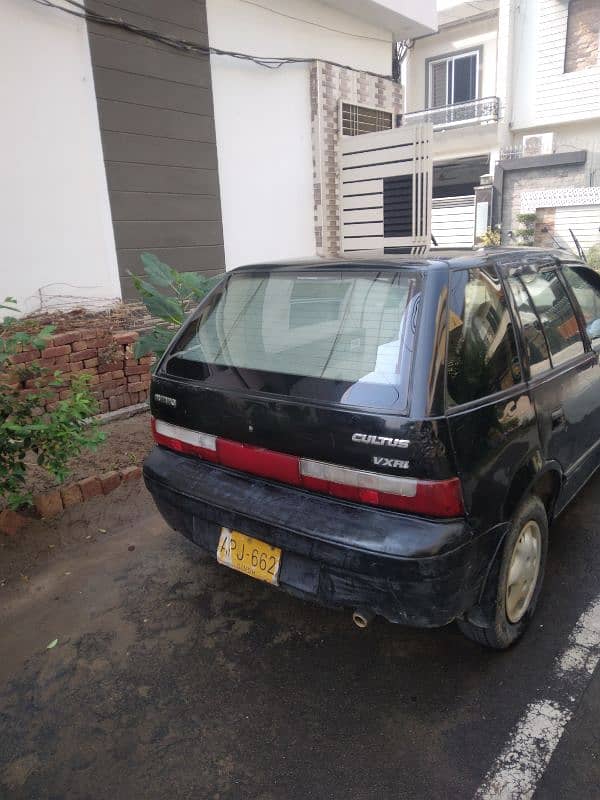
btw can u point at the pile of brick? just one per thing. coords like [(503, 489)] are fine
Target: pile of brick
[(117, 379)]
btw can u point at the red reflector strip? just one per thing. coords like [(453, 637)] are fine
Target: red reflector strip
[(432, 498)]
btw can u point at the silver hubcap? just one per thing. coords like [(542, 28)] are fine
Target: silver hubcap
[(523, 571)]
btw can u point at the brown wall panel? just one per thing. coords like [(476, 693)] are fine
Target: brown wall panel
[(157, 125)]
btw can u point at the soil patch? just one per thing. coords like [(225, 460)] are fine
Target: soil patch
[(127, 443)]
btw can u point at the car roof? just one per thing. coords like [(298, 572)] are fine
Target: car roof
[(435, 259)]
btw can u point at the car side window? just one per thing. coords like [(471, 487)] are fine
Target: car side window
[(535, 341), (557, 315), (482, 353), (585, 285)]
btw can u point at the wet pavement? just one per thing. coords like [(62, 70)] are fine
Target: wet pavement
[(176, 677)]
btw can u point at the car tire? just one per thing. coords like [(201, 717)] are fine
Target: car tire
[(518, 580)]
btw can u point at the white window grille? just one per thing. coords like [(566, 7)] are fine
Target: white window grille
[(357, 120)]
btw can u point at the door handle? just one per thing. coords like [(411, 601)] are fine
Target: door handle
[(558, 418)]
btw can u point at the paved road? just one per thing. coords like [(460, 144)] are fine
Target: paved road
[(174, 677)]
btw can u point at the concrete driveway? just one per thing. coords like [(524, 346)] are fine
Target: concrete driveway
[(174, 677)]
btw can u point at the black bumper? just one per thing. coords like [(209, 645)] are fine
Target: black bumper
[(407, 569)]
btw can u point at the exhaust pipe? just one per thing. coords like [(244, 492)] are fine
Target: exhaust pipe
[(362, 618)]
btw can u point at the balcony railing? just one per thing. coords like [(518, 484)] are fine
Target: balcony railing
[(485, 109)]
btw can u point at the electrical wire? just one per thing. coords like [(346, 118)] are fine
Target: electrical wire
[(269, 62), (315, 24)]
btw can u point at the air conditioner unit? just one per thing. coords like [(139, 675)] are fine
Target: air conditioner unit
[(538, 144)]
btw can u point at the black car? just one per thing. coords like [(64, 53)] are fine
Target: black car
[(390, 434)]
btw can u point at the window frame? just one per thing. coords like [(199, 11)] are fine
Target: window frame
[(587, 341), (553, 369), (429, 62), (488, 399), (387, 110)]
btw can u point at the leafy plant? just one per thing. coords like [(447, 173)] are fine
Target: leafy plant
[(491, 238), (168, 295), (593, 256), (27, 428), (526, 234)]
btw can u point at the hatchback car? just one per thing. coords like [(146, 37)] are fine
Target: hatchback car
[(390, 434)]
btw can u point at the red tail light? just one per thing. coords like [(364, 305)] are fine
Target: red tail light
[(432, 498)]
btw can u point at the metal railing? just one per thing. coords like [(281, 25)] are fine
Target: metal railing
[(485, 109)]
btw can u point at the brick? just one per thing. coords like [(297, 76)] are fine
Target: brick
[(71, 495), (143, 396), (114, 403), (56, 352), (68, 337), (85, 344), (90, 487), (111, 367), (118, 373), (103, 406), (114, 391), (135, 398), (91, 362), (136, 370), (49, 504), (110, 481), (76, 365), (82, 355), (64, 394), (11, 522), (126, 337), (25, 358), (131, 473), (136, 387)]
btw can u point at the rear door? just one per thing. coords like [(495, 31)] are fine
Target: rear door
[(562, 368)]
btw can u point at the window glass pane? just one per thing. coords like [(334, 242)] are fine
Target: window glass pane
[(465, 78), (354, 329), (482, 354), (585, 284), (537, 348), (438, 84), (556, 314)]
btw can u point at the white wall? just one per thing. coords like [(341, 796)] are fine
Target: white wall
[(55, 221), (545, 95), (263, 118)]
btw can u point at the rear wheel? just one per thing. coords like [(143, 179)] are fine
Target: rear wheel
[(519, 579)]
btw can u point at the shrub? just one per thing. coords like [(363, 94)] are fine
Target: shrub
[(170, 296), (526, 234), (491, 238), (27, 428), (593, 256)]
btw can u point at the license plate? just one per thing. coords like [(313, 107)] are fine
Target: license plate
[(255, 558)]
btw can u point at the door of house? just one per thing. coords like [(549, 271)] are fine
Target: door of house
[(584, 221), (385, 189), (453, 221)]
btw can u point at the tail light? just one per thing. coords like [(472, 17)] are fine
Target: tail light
[(413, 495)]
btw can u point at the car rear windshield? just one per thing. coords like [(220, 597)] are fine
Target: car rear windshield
[(342, 336)]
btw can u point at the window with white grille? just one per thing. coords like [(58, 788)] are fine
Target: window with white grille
[(362, 119), (452, 79)]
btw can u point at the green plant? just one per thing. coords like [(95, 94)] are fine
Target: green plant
[(168, 295), (491, 238), (526, 234), (27, 428), (593, 256)]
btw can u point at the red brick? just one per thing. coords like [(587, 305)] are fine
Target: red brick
[(136, 387), (82, 355), (90, 487), (114, 391), (11, 522), (110, 481), (146, 360), (86, 333), (49, 504), (25, 358), (94, 380), (65, 338), (127, 337), (131, 473), (114, 365), (71, 495), (135, 370), (114, 403), (103, 406), (85, 344), (118, 373), (91, 362), (143, 396), (56, 352), (76, 365)]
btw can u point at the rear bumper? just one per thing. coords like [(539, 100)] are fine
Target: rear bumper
[(407, 569)]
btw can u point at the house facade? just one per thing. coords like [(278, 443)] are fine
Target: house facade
[(123, 138), (513, 92)]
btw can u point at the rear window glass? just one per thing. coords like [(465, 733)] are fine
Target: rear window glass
[(342, 336)]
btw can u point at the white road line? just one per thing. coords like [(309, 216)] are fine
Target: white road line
[(519, 767)]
